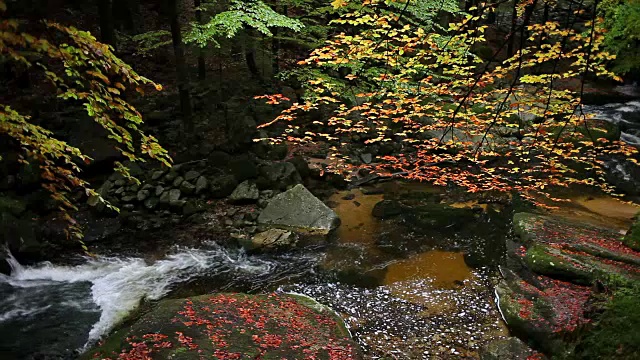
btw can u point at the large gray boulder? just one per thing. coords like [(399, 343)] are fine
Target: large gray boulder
[(247, 192), (299, 210)]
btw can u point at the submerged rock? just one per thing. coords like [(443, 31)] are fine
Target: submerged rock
[(387, 208), (234, 326), (270, 239), (508, 349), (298, 209)]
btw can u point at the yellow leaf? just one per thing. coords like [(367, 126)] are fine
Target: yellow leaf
[(338, 3)]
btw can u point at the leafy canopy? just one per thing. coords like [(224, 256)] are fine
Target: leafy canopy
[(241, 14), (502, 124), (82, 70)]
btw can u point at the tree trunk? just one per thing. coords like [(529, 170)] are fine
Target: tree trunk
[(181, 66), (512, 33), (202, 66), (107, 30), (250, 56)]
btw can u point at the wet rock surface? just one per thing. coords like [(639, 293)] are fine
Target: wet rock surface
[(234, 326)]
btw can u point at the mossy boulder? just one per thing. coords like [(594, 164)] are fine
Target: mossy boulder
[(233, 326), (576, 252), (508, 349), (632, 238), (546, 314)]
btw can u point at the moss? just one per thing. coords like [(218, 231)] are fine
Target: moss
[(616, 334), (552, 262), (632, 238)]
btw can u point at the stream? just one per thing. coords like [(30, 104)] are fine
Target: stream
[(404, 293)]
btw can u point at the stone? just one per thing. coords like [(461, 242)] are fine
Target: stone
[(174, 195), (507, 349), (295, 321), (191, 175), (243, 168), (187, 188), (192, 207), (386, 208), (202, 184), (172, 175), (269, 240), (106, 187), (164, 198), (223, 186), (278, 176), (151, 203), (298, 209), (119, 191), (177, 204), (147, 187), (128, 198), (366, 158), (178, 181), (12, 206), (134, 169), (219, 159), (246, 192), (159, 190), (120, 182), (157, 174), (128, 207), (143, 195)]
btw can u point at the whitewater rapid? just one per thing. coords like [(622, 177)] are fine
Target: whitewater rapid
[(117, 285)]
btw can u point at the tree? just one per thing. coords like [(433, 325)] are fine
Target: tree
[(622, 21), (181, 65), (83, 71), (241, 16), (450, 116)]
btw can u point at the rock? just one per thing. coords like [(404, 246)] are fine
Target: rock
[(510, 348), (192, 207), (187, 188), (243, 168), (177, 204), (632, 238), (269, 240), (386, 209), (439, 217), (143, 195), (246, 192), (298, 209), (278, 176), (147, 187), (178, 181), (119, 191), (292, 323), (164, 198), (191, 175), (366, 158), (223, 186), (157, 174), (128, 198), (21, 235), (219, 159), (547, 313), (128, 207), (171, 175), (202, 184), (581, 253), (120, 182), (159, 190), (302, 166), (174, 195), (151, 203), (5, 267), (97, 228), (134, 169), (106, 187)]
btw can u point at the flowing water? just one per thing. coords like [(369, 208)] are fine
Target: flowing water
[(403, 294)]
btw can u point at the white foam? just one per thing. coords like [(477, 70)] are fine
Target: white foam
[(118, 285)]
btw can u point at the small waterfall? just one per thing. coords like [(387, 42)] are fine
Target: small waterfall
[(110, 288)]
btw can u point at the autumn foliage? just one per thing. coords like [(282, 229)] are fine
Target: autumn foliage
[(497, 122)]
